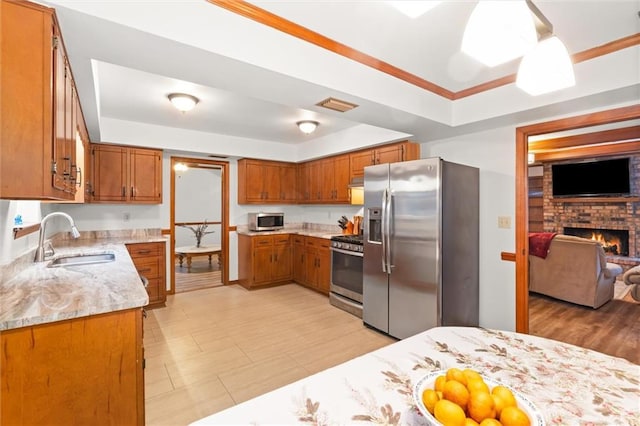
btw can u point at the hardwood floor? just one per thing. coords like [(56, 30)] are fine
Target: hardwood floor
[(613, 329), (202, 275), (211, 349)]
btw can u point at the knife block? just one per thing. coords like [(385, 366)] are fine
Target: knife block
[(349, 229)]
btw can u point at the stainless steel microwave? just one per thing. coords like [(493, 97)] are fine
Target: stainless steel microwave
[(266, 221)]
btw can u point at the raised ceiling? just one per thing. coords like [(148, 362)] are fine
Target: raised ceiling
[(255, 81)]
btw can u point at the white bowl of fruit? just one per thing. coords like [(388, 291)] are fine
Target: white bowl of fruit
[(465, 397)]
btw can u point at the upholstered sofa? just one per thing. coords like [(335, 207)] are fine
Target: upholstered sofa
[(575, 270)]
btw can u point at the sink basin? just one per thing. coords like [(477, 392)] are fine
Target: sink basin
[(82, 259)]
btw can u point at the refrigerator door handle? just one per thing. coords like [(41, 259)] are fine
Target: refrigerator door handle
[(382, 231), (387, 236)]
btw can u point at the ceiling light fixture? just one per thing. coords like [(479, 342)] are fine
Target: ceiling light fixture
[(180, 167), (546, 68), (500, 31), (182, 101), (414, 8), (307, 126)]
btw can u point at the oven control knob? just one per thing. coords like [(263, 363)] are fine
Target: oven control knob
[(338, 245)]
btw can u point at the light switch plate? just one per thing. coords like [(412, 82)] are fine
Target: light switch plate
[(504, 222)]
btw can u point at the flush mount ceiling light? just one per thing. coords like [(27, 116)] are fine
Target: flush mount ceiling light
[(499, 31), (180, 167), (414, 8), (182, 101), (307, 126)]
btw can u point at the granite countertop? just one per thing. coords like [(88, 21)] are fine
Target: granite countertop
[(33, 293), (318, 232)]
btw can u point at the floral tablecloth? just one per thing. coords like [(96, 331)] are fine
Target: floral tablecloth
[(568, 384)]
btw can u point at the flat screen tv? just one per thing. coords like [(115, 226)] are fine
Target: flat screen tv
[(600, 178)]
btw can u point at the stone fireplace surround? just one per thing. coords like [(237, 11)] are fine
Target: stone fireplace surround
[(597, 214)]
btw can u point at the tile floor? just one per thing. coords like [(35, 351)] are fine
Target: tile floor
[(214, 348)]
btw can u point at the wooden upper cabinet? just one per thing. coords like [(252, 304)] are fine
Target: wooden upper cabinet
[(145, 168), (37, 153), (125, 175), (266, 182), (289, 183), (335, 179), (402, 151)]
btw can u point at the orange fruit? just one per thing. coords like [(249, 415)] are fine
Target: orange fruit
[(514, 416), (470, 422), (499, 404), (471, 374), (455, 391), (429, 399), (477, 385), (481, 406), (449, 413), (457, 375), (506, 395), (439, 384), (490, 422)]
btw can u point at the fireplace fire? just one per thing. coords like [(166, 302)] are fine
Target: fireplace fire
[(614, 241)]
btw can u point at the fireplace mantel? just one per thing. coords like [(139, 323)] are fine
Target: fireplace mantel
[(596, 200)]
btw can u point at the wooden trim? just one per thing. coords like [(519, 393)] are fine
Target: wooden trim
[(622, 134), (596, 200), (224, 167), (522, 227), (267, 18), (510, 257), (165, 232), (605, 49), (21, 231), (276, 22), (590, 151), (233, 228)]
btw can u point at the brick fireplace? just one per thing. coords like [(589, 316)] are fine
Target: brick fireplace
[(619, 218)]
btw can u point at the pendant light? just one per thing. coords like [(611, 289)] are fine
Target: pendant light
[(546, 68), (499, 31)]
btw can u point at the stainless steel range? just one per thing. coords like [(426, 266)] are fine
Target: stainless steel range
[(346, 273)]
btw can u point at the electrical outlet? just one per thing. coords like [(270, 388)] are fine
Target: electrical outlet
[(504, 222), (126, 217)]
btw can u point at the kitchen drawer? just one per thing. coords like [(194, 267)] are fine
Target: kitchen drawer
[(298, 239), (263, 240), (281, 239), (145, 249), (317, 242), (150, 268)]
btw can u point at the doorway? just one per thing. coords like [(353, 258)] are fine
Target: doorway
[(522, 206), (199, 224)]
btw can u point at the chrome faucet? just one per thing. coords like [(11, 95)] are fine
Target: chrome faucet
[(41, 254)]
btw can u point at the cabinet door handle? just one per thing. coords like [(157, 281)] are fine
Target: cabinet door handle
[(79, 176), (143, 251), (132, 192), (124, 192)]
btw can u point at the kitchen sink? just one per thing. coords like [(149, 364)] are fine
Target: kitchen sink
[(82, 259)]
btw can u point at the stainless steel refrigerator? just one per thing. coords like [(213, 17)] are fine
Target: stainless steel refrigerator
[(420, 246)]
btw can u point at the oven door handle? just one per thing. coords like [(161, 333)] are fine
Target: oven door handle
[(347, 252)]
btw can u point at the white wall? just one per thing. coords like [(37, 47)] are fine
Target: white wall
[(31, 212), (493, 152)]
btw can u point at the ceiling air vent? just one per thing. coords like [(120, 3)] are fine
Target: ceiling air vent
[(337, 105)]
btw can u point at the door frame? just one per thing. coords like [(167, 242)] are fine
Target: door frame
[(522, 189), (224, 228)]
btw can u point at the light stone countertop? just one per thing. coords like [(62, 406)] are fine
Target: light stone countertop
[(32, 293), (319, 231)]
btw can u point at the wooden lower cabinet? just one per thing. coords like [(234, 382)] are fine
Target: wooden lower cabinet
[(312, 263), (264, 260), (149, 260), (81, 371)]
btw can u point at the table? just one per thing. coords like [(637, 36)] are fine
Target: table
[(193, 251), (568, 384)]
